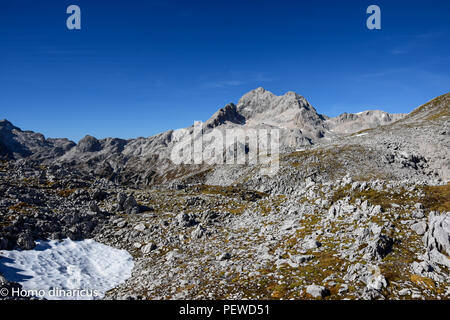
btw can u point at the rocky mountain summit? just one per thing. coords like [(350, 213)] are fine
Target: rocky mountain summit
[(359, 208)]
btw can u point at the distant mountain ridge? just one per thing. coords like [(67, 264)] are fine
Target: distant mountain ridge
[(15, 143), (147, 159)]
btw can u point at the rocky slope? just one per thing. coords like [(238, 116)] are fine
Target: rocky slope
[(351, 214)]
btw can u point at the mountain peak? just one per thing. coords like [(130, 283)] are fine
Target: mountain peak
[(260, 101), (7, 125), (89, 144), (5, 122), (258, 90)]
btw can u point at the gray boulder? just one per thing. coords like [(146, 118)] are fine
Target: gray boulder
[(418, 214), (127, 204), (419, 227), (310, 244), (148, 248), (140, 227), (224, 256), (25, 242), (185, 220), (317, 291)]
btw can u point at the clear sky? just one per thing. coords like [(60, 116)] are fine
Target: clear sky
[(137, 68)]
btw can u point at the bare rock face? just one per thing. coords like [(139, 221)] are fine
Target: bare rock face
[(227, 114), (10, 142), (288, 112), (26, 242), (437, 238), (353, 122), (374, 244)]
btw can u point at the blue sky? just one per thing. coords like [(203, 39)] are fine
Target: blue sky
[(137, 68)]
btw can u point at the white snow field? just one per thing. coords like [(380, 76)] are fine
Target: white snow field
[(81, 270)]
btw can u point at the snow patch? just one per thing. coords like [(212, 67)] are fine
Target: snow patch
[(67, 265)]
